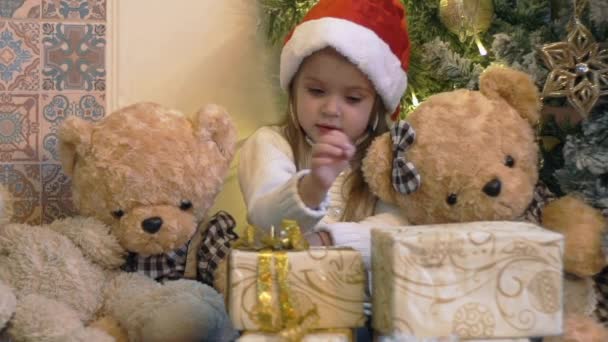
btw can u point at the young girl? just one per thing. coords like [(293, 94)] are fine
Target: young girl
[(344, 67)]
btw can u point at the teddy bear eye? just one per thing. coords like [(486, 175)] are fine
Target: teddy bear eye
[(509, 161), (452, 199), (185, 205), (118, 213)]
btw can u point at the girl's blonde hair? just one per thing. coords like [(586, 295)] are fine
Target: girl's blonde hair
[(360, 202)]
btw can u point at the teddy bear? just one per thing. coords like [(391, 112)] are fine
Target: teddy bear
[(8, 301), (468, 155), (135, 264)]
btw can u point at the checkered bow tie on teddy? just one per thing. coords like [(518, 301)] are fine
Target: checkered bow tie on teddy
[(217, 242)]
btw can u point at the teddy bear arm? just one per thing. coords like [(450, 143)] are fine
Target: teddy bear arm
[(94, 239), (583, 227), (183, 310), (38, 318)]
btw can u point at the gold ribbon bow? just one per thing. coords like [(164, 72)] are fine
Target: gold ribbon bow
[(288, 238), (272, 249)]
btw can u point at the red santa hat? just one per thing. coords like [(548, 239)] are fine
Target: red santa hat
[(372, 34)]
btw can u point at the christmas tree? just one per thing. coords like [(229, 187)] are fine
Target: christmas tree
[(454, 41)]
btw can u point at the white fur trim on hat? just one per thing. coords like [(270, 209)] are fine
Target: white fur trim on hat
[(359, 44)]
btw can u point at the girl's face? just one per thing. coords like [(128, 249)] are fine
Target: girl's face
[(332, 93)]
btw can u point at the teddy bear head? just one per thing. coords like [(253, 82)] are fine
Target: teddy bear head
[(475, 152), (149, 172)]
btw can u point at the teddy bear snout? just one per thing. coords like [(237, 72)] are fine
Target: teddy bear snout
[(152, 225), (492, 188)]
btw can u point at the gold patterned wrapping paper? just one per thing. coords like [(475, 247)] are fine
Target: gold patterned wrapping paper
[(475, 280), (333, 335), (329, 281)]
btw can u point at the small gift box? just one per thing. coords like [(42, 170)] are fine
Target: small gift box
[(479, 280), (333, 335), (273, 288)]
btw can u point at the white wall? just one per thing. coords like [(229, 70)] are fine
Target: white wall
[(184, 53)]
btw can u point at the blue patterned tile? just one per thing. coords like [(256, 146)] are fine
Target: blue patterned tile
[(74, 9), (56, 193), (57, 107), (73, 57), (20, 9), (19, 128), (23, 182), (19, 56)]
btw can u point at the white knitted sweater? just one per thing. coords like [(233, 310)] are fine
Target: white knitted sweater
[(268, 180)]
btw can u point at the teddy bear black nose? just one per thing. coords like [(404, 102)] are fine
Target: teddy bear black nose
[(152, 224), (492, 188)]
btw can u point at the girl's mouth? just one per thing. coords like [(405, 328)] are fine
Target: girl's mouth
[(326, 128)]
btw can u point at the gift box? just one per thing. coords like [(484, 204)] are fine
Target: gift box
[(476, 280), (267, 287), (335, 335), (452, 338)]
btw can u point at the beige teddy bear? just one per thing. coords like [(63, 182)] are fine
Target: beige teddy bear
[(8, 301), (144, 177), (476, 156)]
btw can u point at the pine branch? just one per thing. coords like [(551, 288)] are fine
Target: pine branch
[(598, 15), (449, 65), (585, 169), (282, 15)]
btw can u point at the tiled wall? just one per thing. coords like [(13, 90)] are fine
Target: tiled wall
[(52, 65)]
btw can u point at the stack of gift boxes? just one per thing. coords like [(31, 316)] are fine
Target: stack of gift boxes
[(280, 289), (476, 281)]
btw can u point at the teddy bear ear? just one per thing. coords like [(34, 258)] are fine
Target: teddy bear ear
[(377, 168), (515, 87), (212, 122), (74, 138)]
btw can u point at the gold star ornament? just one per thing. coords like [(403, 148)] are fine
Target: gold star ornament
[(579, 69)]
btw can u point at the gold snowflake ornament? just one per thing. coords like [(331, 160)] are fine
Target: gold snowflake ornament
[(579, 69)]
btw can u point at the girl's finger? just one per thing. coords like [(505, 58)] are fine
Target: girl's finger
[(327, 150)]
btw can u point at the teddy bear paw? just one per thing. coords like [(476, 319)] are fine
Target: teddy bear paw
[(41, 319)]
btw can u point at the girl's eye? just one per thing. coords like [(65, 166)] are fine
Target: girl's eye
[(316, 91), (353, 99), (118, 213)]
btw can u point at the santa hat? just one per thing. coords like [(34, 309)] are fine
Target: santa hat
[(372, 34)]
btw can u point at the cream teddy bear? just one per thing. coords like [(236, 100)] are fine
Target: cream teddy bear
[(474, 157), (143, 178)]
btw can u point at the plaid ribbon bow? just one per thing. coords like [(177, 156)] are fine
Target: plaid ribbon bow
[(215, 247), (406, 178)]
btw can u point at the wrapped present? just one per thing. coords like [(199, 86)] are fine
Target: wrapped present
[(333, 335), (398, 337), (479, 280), (277, 286)]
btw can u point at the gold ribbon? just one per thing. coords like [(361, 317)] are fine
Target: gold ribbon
[(272, 251), (288, 238), (338, 331)]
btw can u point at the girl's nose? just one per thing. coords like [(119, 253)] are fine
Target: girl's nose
[(331, 106)]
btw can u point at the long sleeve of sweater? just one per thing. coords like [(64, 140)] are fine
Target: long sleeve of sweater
[(358, 234), (269, 182)]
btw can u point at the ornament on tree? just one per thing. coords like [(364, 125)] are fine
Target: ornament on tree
[(467, 18), (579, 69)]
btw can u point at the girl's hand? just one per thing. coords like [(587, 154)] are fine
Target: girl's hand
[(321, 238), (330, 156)]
